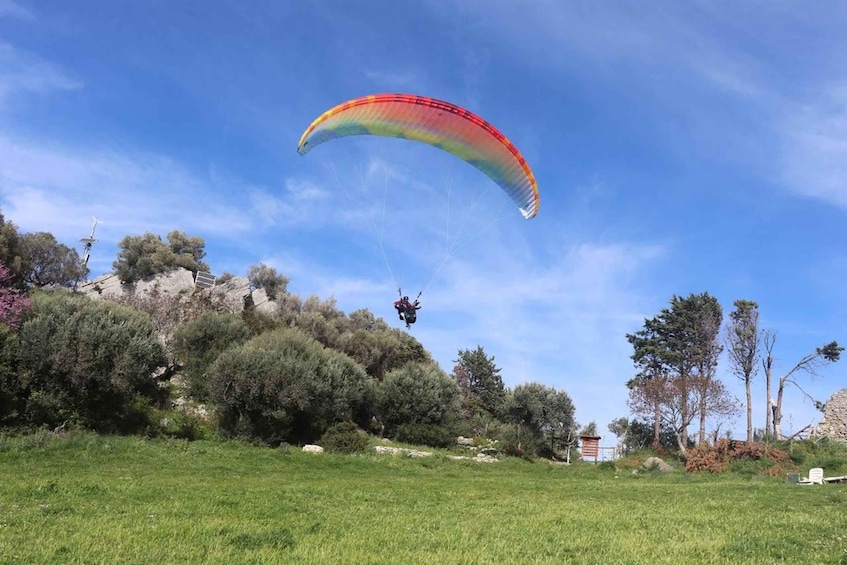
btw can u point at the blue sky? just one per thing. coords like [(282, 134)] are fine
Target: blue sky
[(679, 148)]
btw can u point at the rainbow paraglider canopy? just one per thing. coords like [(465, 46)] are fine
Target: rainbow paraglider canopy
[(437, 123)]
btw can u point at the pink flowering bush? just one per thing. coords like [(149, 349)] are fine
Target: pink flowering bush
[(12, 304)]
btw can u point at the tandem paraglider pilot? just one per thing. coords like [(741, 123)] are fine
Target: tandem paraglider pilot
[(407, 311)]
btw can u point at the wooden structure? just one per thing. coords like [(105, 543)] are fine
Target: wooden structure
[(590, 447)]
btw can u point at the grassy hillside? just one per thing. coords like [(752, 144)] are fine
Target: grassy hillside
[(95, 499)]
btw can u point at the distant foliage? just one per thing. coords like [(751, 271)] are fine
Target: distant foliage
[(285, 386), (637, 435), (145, 255), (344, 437), (433, 435), (10, 252), (382, 349), (46, 262), (198, 344), (12, 303), (89, 361), (179, 424), (12, 394), (479, 378), (541, 418), (262, 276), (819, 452), (414, 397), (224, 278)]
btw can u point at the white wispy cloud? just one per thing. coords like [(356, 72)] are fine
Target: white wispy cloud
[(51, 187), (814, 156), (8, 8), (793, 132), (27, 73)]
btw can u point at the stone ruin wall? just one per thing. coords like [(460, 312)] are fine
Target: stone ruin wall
[(834, 423)]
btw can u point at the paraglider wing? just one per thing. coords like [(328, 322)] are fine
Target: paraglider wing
[(438, 123)]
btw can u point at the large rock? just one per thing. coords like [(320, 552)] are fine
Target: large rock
[(176, 282), (262, 303), (104, 286), (232, 293), (173, 283), (657, 463)]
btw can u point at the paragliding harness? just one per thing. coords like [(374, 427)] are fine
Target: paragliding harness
[(407, 311)]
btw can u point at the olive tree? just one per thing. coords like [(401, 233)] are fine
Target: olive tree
[(198, 344), (542, 418), (46, 262), (263, 276), (89, 361), (418, 403), (145, 255), (12, 397), (284, 386)]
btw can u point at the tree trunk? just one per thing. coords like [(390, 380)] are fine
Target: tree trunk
[(768, 340), (777, 412), (681, 440), (683, 409), (749, 412), (769, 431), (657, 427)]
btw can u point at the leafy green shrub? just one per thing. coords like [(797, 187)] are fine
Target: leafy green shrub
[(199, 343), (819, 452), (344, 437), (519, 441), (434, 435), (180, 424), (12, 400), (89, 361), (285, 386), (418, 394)]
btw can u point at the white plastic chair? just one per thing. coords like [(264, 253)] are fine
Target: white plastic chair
[(815, 477)]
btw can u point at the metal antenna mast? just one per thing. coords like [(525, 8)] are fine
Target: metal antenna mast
[(88, 241)]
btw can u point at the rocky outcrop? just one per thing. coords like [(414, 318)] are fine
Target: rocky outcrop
[(179, 282), (232, 293), (834, 422)]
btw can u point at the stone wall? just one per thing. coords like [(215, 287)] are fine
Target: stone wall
[(834, 422)]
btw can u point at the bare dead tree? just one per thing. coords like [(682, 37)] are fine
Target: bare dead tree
[(810, 364), (768, 340), (742, 339)]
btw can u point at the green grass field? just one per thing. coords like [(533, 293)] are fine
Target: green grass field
[(92, 499)]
